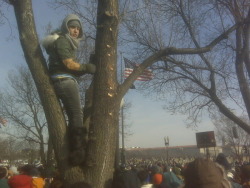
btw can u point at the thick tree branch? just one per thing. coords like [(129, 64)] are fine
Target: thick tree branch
[(167, 52)]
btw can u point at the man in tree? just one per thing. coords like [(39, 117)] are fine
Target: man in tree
[(64, 70)]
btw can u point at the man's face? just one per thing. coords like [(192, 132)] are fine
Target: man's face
[(74, 31)]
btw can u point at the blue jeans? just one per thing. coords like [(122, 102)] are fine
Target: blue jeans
[(68, 91)]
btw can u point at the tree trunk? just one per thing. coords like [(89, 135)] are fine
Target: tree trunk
[(37, 65), (104, 122), (103, 115), (49, 161), (49, 166), (42, 151), (242, 47)]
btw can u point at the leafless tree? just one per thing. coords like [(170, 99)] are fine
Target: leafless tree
[(104, 96), (206, 82), (21, 106), (232, 136), (11, 149)]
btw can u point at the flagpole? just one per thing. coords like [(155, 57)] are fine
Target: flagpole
[(120, 154), (123, 160)]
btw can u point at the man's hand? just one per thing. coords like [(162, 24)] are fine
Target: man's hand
[(71, 64), (91, 68), (88, 68)]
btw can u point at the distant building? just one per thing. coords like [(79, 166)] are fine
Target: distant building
[(190, 151)]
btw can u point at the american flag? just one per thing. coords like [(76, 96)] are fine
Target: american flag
[(3, 121), (129, 67)]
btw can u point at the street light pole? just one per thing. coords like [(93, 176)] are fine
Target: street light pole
[(123, 160), (166, 141), (120, 156)]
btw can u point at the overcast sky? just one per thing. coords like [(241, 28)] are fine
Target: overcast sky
[(149, 122)]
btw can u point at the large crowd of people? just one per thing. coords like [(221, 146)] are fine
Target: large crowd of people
[(195, 173), (144, 173)]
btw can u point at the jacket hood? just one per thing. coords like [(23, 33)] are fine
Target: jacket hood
[(64, 27)]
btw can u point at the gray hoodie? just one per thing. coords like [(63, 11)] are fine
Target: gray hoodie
[(64, 27)]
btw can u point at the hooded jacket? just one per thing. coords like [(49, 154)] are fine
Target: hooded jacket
[(60, 46), (20, 181), (64, 26)]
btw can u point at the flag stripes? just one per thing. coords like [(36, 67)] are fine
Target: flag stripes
[(129, 67)]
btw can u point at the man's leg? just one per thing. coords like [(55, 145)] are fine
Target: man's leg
[(68, 92)]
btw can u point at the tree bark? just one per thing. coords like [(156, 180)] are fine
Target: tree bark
[(42, 151), (53, 112), (106, 102), (242, 58)]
